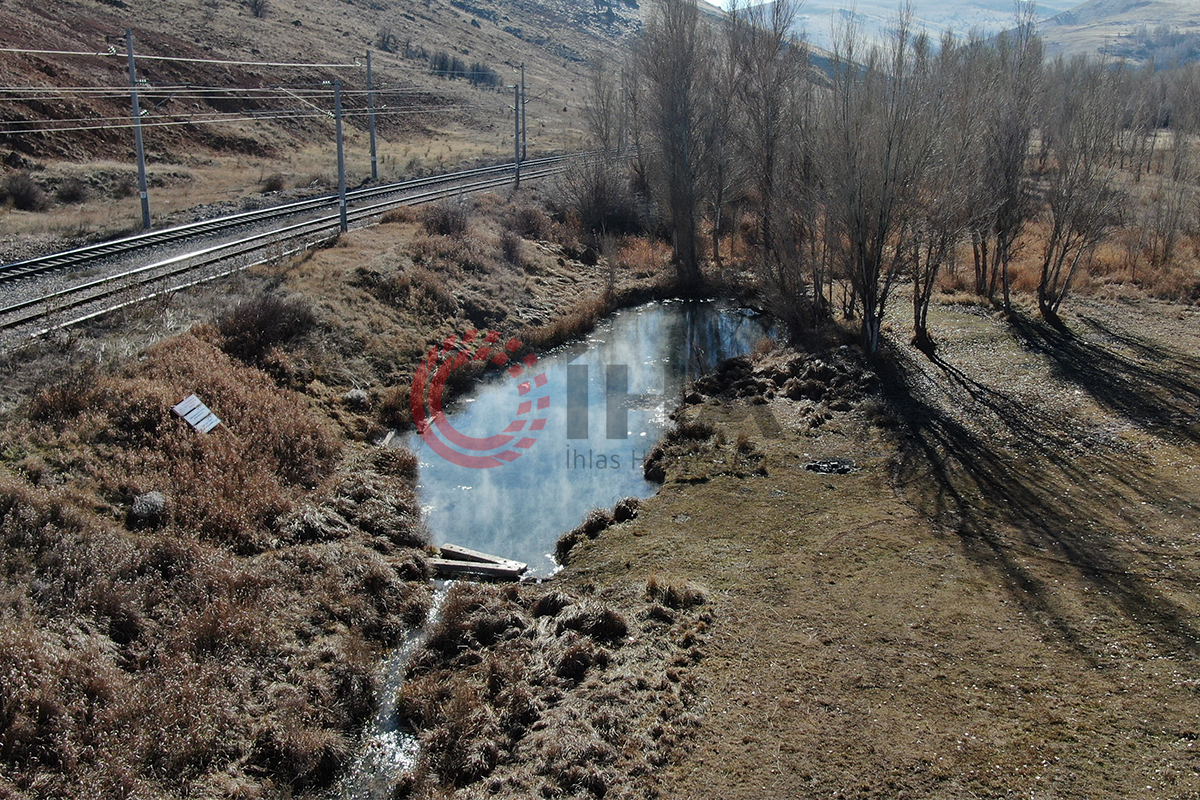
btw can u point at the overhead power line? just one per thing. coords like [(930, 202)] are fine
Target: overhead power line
[(112, 51), (202, 116), (384, 112)]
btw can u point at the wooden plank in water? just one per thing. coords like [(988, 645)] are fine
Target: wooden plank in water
[(445, 566), (456, 552)]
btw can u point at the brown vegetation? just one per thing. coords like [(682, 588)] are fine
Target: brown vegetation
[(203, 615), (523, 693), (193, 614), (897, 161), (957, 613)]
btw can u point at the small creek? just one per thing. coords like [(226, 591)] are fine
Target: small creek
[(519, 509), (387, 750)]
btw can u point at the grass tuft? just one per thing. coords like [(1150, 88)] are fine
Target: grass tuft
[(254, 326), (24, 193), (678, 597), (447, 218)]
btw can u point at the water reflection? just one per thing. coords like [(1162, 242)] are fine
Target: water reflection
[(519, 509)]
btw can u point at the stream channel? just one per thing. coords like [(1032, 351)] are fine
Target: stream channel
[(581, 458)]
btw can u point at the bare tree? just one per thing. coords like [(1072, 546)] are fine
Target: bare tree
[(1174, 195), (725, 170), (768, 62), (875, 152), (1004, 202), (1080, 199), (601, 107), (953, 105), (674, 58)]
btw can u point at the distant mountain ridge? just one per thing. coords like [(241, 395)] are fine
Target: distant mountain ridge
[(817, 18), (1130, 29)]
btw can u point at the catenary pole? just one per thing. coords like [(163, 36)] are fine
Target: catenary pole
[(371, 110), (341, 155), (517, 135), (137, 133)]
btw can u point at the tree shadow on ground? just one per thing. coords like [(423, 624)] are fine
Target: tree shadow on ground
[(1031, 508), (1156, 388)]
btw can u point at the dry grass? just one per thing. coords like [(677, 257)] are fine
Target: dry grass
[(1112, 270), (252, 327), (246, 616), (522, 693), (134, 656), (971, 591), (595, 523)]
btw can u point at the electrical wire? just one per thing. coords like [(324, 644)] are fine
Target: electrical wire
[(202, 93), (204, 116), (221, 120), (112, 51)]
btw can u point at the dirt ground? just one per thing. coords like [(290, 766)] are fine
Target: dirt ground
[(999, 601)]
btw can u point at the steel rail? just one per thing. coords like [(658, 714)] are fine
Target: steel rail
[(311, 231), (101, 250)]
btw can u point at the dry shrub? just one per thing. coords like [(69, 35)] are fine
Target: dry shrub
[(526, 221), (71, 191), (643, 257), (463, 747), (303, 756), (549, 604), (512, 247), (694, 430), (401, 214), (626, 509), (473, 617), (578, 658), (275, 182), (598, 197), (254, 326), (598, 621), (446, 218), (24, 193), (66, 396), (423, 288), (138, 410), (688, 437), (394, 406), (398, 462)]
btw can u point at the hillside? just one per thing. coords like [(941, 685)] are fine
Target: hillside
[(206, 138), (1129, 29), (817, 19)]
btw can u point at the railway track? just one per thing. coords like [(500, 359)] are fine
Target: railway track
[(293, 228)]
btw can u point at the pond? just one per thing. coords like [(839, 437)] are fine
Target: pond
[(520, 460)]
